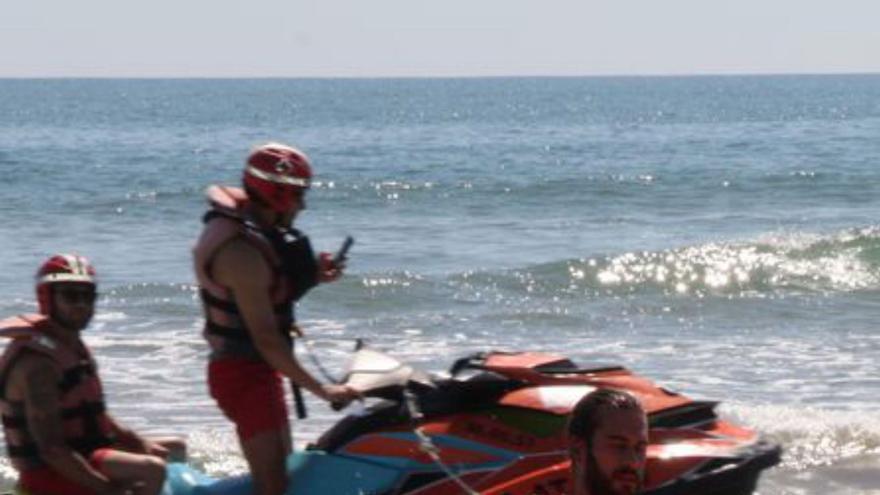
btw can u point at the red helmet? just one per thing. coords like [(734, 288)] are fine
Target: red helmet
[(276, 173), (62, 268)]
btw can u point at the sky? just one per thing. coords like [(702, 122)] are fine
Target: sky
[(422, 38)]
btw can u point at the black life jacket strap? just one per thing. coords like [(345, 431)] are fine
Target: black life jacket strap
[(215, 302), (299, 403), (239, 334), (230, 306), (212, 214), (73, 376)]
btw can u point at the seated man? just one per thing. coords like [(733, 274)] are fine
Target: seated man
[(608, 437), (59, 435)]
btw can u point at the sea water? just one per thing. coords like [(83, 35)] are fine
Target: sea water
[(719, 235)]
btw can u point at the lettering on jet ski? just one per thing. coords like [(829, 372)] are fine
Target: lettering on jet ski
[(500, 435)]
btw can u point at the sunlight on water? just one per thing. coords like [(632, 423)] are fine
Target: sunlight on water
[(783, 262), (217, 453)]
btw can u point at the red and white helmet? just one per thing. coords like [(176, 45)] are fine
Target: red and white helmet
[(62, 268), (277, 173)]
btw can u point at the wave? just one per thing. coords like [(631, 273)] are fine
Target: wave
[(812, 436), (773, 265), (824, 450), (780, 263)]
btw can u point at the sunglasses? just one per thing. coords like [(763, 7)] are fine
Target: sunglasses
[(76, 296)]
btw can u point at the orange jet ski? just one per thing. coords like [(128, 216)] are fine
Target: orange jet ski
[(494, 425)]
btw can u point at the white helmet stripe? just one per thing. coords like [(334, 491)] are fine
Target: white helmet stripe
[(66, 277), (278, 178), (74, 263), (81, 265)]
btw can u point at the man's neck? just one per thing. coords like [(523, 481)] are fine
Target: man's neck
[(263, 217), (68, 337)]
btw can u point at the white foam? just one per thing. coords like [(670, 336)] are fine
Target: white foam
[(812, 436)]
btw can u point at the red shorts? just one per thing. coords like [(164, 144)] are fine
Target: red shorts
[(250, 393), (45, 481)]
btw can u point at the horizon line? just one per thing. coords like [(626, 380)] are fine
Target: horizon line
[(441, 76)]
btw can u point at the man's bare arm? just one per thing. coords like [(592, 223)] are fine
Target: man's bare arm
[(37, 379), (127, 438), (242, 268)]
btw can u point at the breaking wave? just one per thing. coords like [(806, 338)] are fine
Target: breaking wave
[(779, 263)]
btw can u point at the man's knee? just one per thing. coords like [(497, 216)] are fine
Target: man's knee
[(152, 469)]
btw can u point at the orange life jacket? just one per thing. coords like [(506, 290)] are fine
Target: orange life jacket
[(287, 252), (85, 423)]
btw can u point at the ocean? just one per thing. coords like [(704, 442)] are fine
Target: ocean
[(719, 235)]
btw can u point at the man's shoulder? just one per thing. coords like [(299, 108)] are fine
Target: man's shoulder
[(30, 363), (30, 359)]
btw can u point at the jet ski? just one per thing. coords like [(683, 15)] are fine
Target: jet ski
[(494, 425)]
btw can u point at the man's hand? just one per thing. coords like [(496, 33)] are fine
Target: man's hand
[(328, 270), (153, 448), (137, 444), (339, 395)]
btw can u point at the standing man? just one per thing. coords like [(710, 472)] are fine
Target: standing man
[(608, 437), (59, 435), (252, 267)]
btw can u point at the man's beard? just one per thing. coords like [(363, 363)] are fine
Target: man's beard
[(599, 484), (75, 324)]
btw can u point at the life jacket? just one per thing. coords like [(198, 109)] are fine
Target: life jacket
[(86, 426), (287, 251)]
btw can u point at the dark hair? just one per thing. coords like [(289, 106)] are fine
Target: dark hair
[(584, 418)]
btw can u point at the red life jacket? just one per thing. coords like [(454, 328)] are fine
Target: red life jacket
[(287, 252), (83, 414)]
